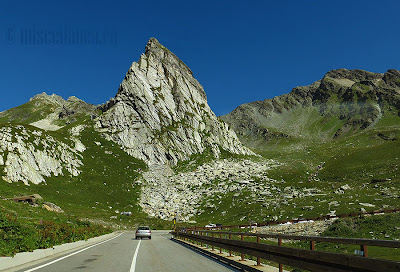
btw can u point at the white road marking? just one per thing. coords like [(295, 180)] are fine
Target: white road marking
[(62, 258), (133, 266)]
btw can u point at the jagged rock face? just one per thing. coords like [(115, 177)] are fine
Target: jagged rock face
[(355, 97), (31, 155), (160, 113)]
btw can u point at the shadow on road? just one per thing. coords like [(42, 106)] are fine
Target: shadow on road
[(216, 258)]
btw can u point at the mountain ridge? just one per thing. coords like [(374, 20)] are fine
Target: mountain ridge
[(356, 97)]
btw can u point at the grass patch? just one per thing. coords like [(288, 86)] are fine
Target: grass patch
[(21, 234), (385, 227), (27, 113)]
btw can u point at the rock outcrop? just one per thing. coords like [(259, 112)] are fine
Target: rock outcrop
[(31, 155), (160, 113)]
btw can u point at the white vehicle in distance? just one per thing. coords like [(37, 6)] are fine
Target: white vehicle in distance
[(143, 232), (214, 226)]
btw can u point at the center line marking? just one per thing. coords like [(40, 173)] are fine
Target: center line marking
[(62, 258), (133, 266)]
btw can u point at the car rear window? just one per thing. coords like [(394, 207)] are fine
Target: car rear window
[(143, 228)]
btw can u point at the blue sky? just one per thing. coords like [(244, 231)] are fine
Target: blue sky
[(240, 51)]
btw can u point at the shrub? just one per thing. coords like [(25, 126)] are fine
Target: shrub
[(19, 235)]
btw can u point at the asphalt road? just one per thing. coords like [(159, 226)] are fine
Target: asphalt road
[(126, 254)]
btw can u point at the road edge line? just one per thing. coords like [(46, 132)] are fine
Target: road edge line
[(69, 255)]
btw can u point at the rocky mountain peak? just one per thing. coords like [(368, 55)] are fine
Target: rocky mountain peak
[(56, 99), (152, 45), (158, 52), (50, 98), (160, 113), (355, 75)]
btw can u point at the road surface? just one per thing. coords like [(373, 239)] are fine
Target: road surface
[(125, 254)]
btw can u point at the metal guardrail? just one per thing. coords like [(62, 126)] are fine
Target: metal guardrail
[(301, 258)]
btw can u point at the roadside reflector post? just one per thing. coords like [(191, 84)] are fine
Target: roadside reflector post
[(280, 244), (258, 258), (230, 251), (242, 254), (364, 250), (312, 245), (212, 247)]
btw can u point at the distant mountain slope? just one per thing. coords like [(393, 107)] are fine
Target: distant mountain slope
[(48, 112), (340, 132), (341, 103)]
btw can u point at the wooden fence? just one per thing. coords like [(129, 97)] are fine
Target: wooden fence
[(301, 258)]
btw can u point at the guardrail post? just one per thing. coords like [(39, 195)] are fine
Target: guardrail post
[(201, 234), (280, 244), (258, 258), (312, 245), (212, 247), (242, 254), (364, 249), (230, 251), (220, 248), (198, 233)]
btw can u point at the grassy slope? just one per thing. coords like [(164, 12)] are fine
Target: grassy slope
[(385, 227), (29, 112), (358, 158), (26, 228), (108, 183)]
